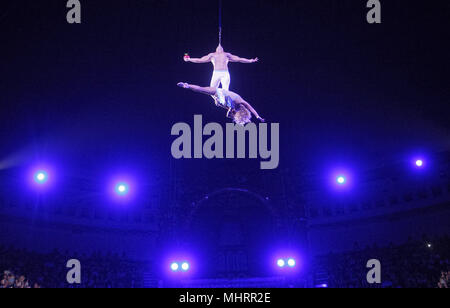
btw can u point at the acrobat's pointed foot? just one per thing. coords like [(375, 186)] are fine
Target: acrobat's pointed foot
[(262, 120), (183, 85)]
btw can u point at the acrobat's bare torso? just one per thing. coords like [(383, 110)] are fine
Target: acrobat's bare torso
[(220, 60)]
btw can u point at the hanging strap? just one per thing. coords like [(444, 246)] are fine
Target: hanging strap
[(220, 22)]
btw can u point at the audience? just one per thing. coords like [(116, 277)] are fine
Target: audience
[(49, 270), (412, 265), (421, 264), (444, 280)]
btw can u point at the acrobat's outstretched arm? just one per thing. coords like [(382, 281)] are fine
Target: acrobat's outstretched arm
[(252, 110), (201, 60), (234, 58)]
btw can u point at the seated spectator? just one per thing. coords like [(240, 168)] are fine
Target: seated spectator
[(444, 280)]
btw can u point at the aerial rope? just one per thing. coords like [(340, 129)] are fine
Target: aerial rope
[(220, 22)]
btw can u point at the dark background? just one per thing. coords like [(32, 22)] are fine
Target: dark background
[(103, 94)]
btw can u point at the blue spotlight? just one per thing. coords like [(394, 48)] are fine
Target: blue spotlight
[(292, 262), (281, 263), (174, 266), (122, 189), (185, 266), (41, 177), (419, 163), (341, 180)]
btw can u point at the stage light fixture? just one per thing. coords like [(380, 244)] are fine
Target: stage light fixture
[(291, 262), (174, 266), (122, 189), (281, 263), (341, 180), (185, 266), (41, 177)]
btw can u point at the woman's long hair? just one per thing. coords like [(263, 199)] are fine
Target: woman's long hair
[(242, 116)]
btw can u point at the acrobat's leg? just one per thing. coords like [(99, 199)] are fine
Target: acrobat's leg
[(198, 89), (226, 80), (221, 78), (215, 83), (215, 80)]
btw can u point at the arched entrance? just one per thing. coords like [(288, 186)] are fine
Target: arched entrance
[(232, 228)]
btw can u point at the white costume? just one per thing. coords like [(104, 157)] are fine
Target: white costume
[(221, 78)]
